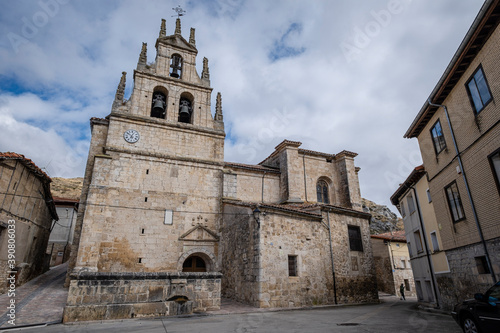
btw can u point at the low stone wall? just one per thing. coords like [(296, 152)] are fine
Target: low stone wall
[(99, 296)]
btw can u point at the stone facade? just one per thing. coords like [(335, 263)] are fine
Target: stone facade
[(158, 198), (463, 161), (392, 263), (135, 295), (26, 214)]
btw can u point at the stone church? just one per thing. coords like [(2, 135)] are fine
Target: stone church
[(165, 226)]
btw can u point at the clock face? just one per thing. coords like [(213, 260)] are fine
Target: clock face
[(131, 136)]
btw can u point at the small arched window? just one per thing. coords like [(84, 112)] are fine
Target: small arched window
[(176, 66), (185, 108), (194, 264), (159, 105), (322, 191)]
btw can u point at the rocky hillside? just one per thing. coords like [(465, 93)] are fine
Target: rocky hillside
[(66, 187), (383, 220)]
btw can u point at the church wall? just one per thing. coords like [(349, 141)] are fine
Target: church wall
[(157, 138), (354, 270), (247, 186), (287, 235), (121, 225), (316, 168), (240, 255)]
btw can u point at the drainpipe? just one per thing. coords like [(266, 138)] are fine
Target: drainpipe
[(476, 219), (331, 256), (434, 288), (305, 179), (262, 200)]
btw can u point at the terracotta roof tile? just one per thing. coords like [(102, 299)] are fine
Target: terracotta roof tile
[(26, 162)]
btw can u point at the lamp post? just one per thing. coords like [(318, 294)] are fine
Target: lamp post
[(256, 216)]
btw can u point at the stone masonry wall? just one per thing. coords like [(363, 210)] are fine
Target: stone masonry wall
[(464, 279), (99, 296), (240, 255)]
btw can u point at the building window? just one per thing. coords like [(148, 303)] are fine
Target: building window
[(456, 208), (428, 195), (407, 284), (403, 211), (403, 264), (495, 166), (435, 243), (482, 265), (355, 241), (411, 203), (322, 191), (479, 91), (409, 250), (418, 241), (292, 266), (438, 137)]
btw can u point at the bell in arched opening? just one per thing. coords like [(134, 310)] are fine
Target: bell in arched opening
[(176, 66), (185, 111), (158, 106)]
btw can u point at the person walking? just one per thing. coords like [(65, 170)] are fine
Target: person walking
[(402, 291)]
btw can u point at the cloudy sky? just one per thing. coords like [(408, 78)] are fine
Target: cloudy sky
[(334, 75)]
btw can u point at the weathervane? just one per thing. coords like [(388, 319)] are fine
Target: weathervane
[(180, 12)]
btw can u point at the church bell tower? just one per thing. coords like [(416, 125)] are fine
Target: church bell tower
[(153, 183)]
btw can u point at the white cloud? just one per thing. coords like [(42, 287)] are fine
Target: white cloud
[(69, 70)]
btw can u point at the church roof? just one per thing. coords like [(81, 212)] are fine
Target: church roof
[(251, 167)]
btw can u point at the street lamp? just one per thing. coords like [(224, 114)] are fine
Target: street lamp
[(256, 216)]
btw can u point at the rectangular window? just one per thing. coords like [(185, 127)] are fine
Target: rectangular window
[(411, 204), (418, 241), (409, 250), (456, 208), (482, 265), (435, 243), (495, 167), (438, 137), (403, 211), (479, 91), (292, 266), (407, 284), (355, 241), (403, 264), (429, 195)]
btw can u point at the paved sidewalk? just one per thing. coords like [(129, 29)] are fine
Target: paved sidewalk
[(41, 300)]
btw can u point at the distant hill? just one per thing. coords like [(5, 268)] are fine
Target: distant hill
[(66, 187), (383, 220)]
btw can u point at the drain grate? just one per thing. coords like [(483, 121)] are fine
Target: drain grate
[(348, 324)]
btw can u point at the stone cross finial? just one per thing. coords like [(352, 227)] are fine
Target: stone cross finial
[(191, 38), (143, 57), (120, 91), (163, 29), (178, 26), (218, 107), (205, 74)]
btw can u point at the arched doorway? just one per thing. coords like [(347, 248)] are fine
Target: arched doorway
[(194, 264)]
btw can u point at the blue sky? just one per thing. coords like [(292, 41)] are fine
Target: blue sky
[(334, 75)]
